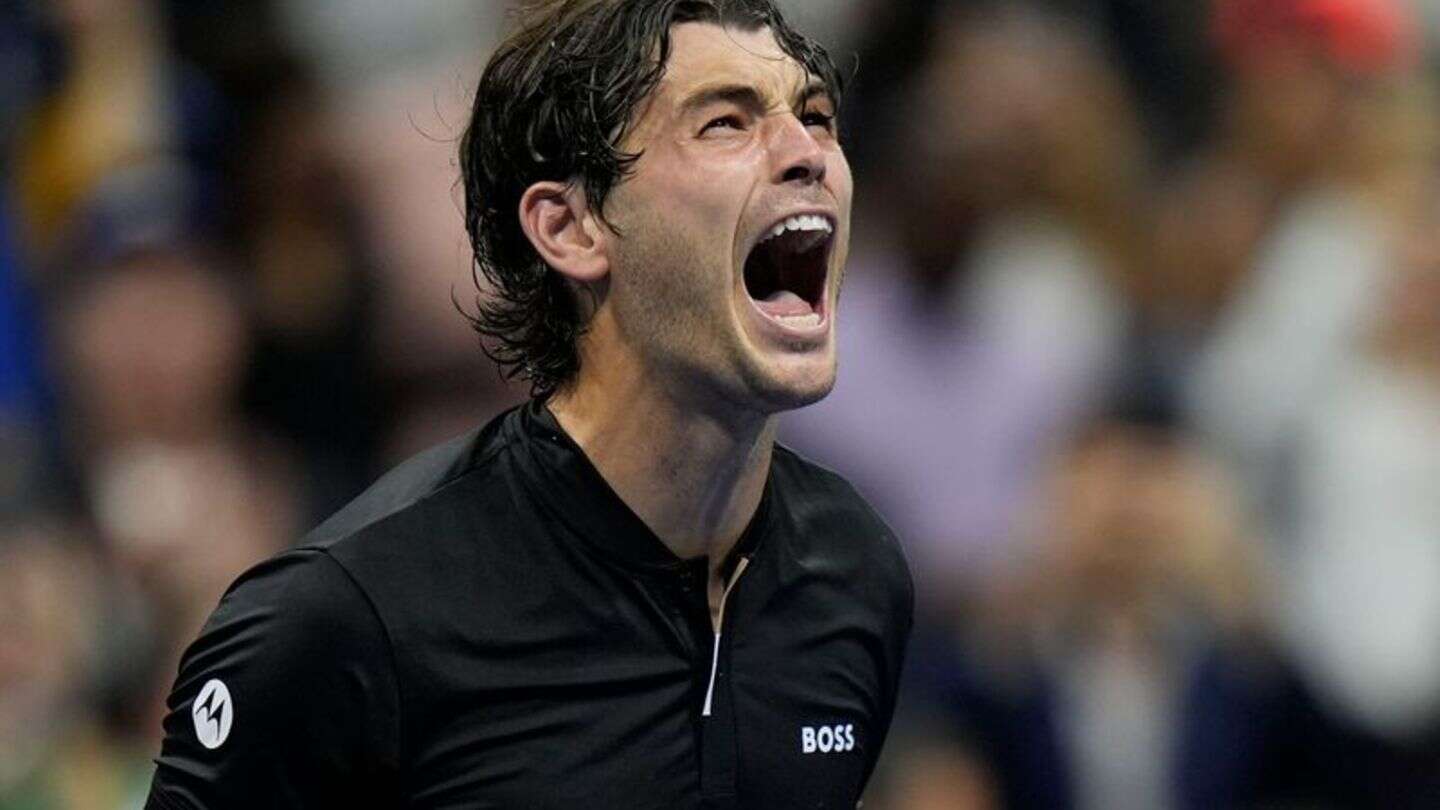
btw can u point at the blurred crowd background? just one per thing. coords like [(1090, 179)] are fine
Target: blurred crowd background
[(1140, 355)]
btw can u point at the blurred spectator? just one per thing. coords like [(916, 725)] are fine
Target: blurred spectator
[(398, 88), (1327, 155), (311, 272), (399, 83), (990, 323), (58, 748), (122, 103), (1274, 243), (1363, 606), (183, 492), (152, 349), (1124, 663)]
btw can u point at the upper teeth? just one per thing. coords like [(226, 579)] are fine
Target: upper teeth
[(804, 222)]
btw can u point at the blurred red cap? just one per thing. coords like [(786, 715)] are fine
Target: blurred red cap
[(1363, 36)]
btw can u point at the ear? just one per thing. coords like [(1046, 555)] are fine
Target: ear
[(556, 218)]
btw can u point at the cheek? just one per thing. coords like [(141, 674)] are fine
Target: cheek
[(842, 182), (691, 226), (664, 271), (842, 185), (697, 200)]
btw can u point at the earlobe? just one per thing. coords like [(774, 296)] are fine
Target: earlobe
[(556, 219)]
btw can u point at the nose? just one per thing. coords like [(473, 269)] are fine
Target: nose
[(796, 155)]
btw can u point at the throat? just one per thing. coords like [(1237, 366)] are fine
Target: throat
[(692, 479)]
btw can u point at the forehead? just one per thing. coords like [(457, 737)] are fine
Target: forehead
[(707, 54)]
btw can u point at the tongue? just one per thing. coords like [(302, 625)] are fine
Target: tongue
[(784, 304)]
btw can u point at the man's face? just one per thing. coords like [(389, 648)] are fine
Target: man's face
[(738, 144)]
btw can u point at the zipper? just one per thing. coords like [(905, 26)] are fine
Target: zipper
[(719, 626)]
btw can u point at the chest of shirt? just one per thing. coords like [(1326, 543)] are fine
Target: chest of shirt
[(596, 689)]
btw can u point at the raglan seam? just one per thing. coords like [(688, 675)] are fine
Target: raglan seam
[(473, 465), (394, 663)]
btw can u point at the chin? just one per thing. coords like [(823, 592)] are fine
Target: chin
[(785, 389)]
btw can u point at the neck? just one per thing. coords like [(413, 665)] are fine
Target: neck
[(693, 477)]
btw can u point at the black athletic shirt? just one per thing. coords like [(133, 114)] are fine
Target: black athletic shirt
[(489, 626)]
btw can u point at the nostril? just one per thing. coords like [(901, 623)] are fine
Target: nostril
[(804, 172)]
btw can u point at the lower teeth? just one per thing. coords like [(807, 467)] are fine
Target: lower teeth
[(808, 319)]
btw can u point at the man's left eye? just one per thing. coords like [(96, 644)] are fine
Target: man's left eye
[(818, 119)]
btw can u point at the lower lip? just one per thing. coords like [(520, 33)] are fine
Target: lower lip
[(810, 330)]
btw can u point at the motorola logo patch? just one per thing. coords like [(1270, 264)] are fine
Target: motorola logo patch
[(213, 712)]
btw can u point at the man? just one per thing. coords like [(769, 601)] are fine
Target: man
[(622, 594)]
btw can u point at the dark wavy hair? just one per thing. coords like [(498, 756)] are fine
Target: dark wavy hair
[(554, 104)]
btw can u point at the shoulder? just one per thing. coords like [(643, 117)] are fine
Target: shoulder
[(438, 523), (292, 636), (288, 695), (414, 484), (299, 601), (832, 520), (818, 493)]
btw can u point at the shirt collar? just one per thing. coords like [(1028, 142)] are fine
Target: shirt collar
[(576, 494)]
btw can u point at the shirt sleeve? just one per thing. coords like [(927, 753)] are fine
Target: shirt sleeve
[(288, 699)]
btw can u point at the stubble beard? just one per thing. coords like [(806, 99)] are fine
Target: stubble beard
[(674, 298)]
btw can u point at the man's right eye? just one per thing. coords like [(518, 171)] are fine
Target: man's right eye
[(724, 121)]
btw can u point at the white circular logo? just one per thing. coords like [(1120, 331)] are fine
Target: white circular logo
[(213, 711)]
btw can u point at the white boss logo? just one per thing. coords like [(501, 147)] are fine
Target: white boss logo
[(213, 712), (827, 738)]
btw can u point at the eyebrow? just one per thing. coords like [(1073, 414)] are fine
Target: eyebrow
[(744, 96)]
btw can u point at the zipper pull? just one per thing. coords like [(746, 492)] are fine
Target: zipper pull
[(719, 626)]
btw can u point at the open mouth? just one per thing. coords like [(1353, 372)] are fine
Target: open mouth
[(785, 271)]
